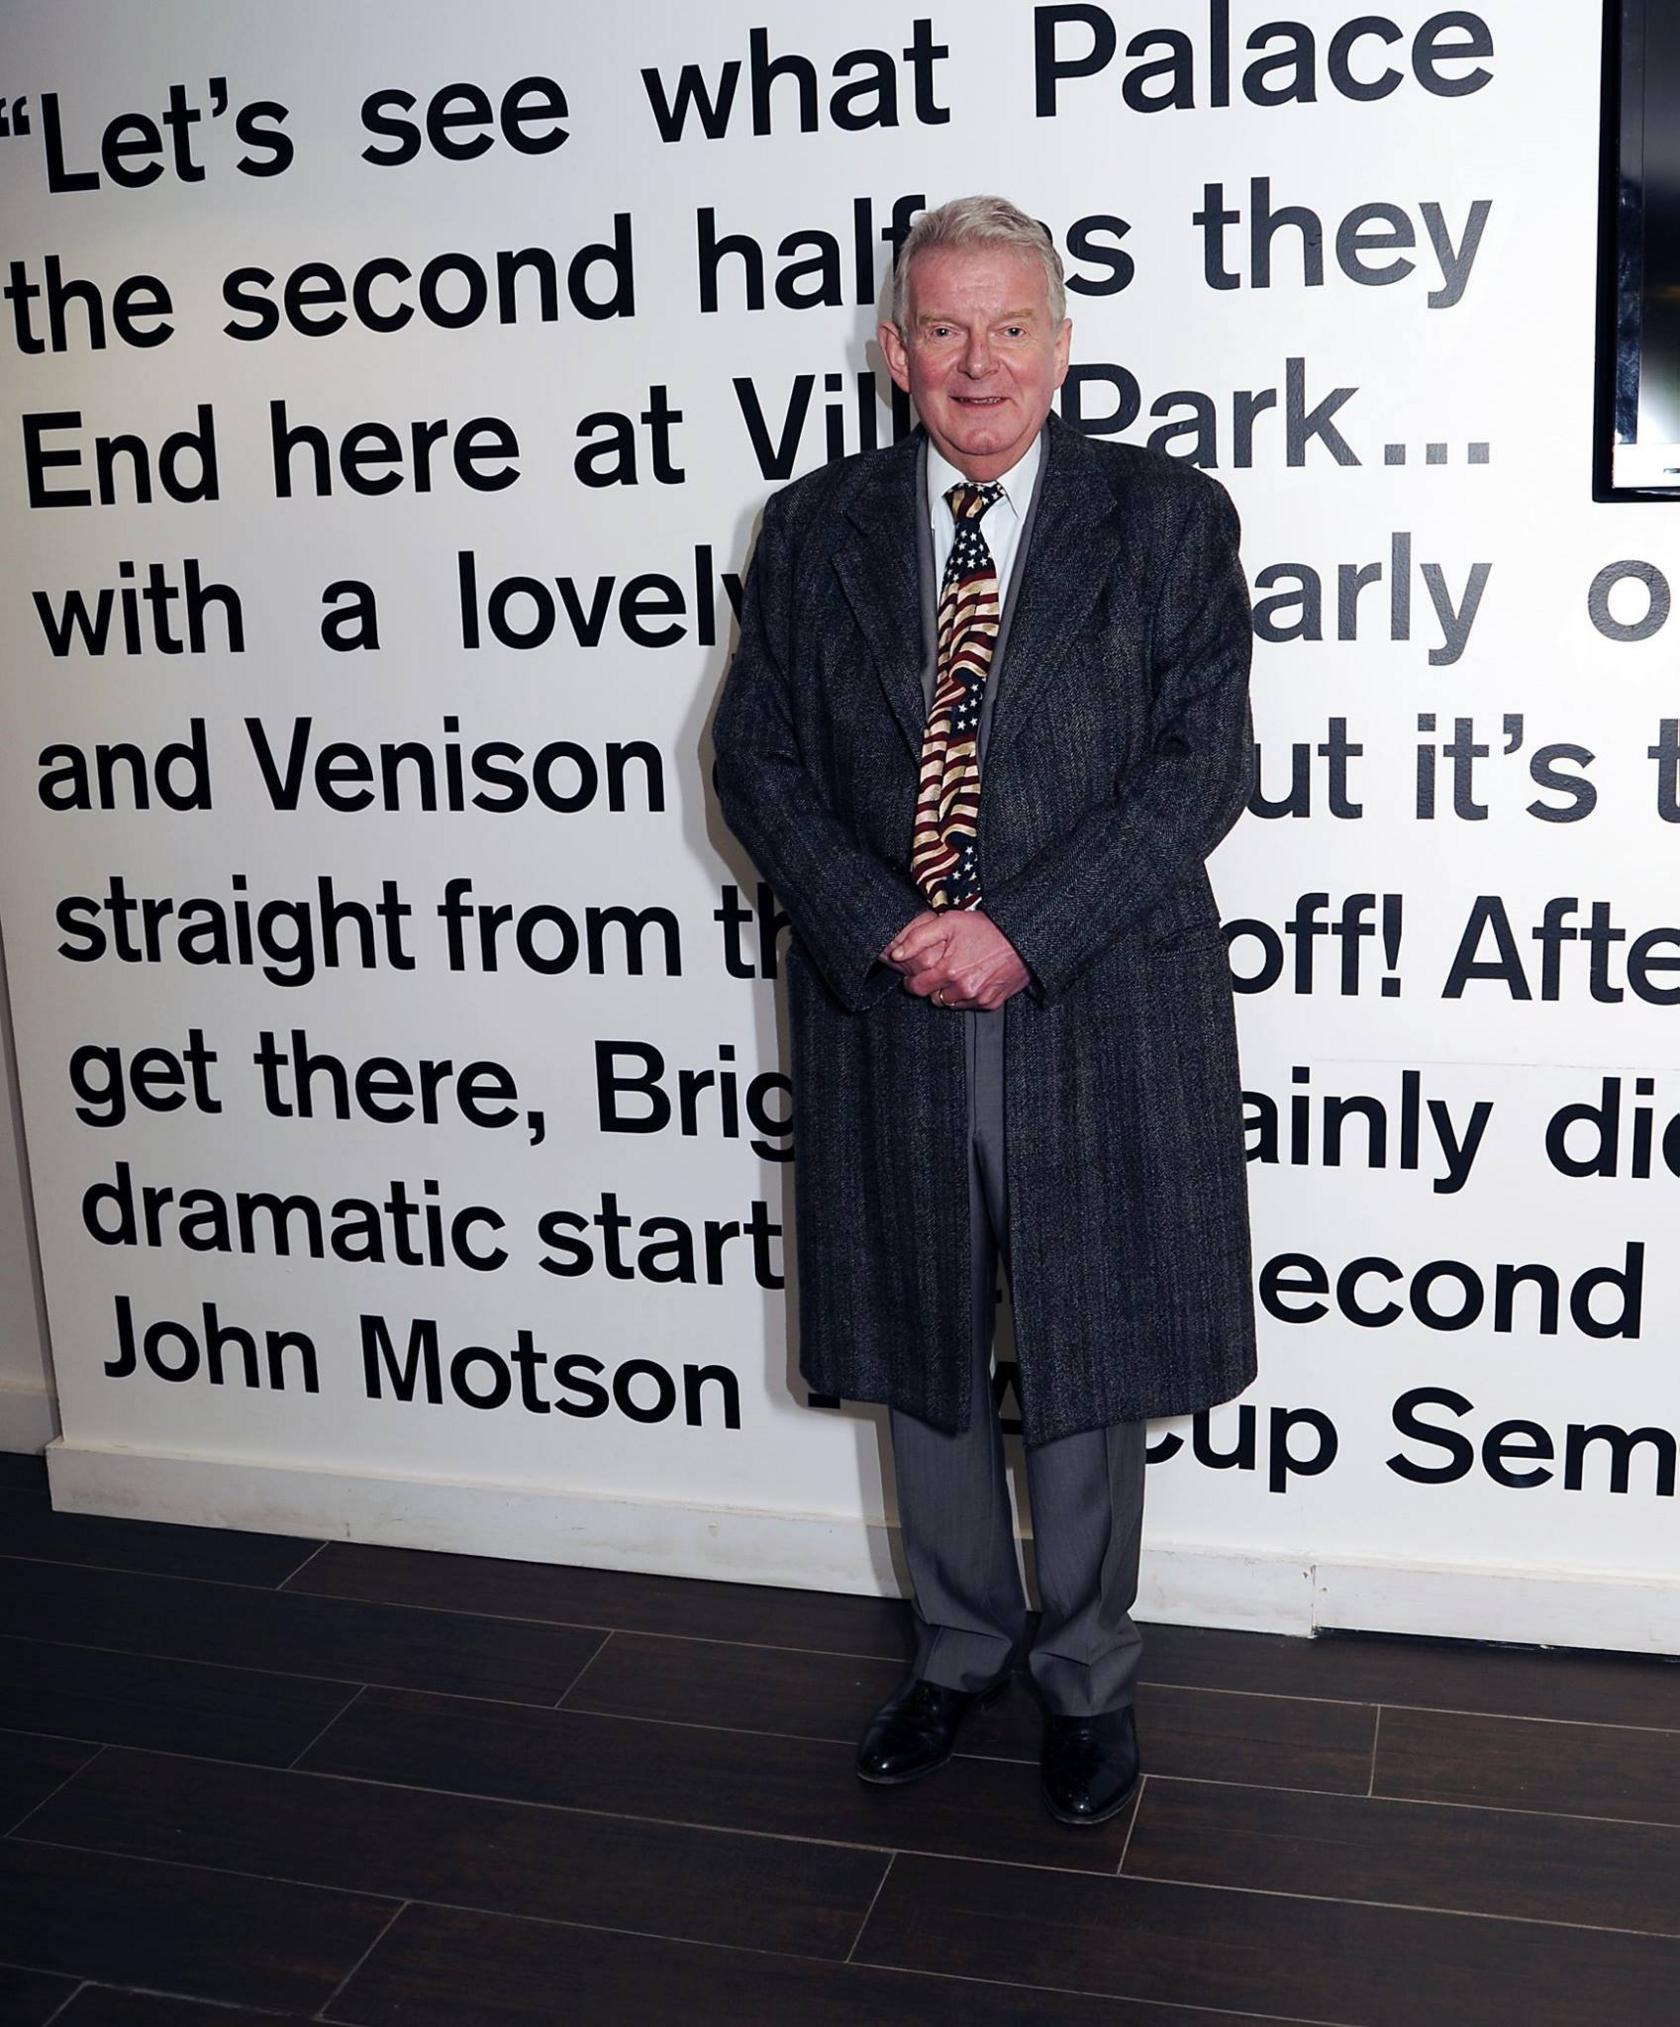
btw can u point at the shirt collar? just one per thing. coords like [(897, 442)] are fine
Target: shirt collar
[(1017, 482)]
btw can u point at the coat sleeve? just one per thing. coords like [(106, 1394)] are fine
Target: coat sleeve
[(844, 900), (1072, 899)]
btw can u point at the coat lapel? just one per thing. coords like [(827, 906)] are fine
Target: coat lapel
[(876, 562), (1075, 536)]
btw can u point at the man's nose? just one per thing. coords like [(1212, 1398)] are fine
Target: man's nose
[(977, 356)]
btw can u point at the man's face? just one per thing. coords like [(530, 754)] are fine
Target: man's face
[(978, 354)]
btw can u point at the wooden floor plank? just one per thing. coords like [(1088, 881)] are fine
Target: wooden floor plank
[(1283, 1741), (557, 1594), (22, 1471), (30, 1998), (31, 1526), (776, 1689), (725, 1779), (285, 1631), (411, 1844), (1436, 1674), (1427, 1674), (1513, 1763), (106, 2006), (436, 1968), (1266, 1952), (210, 1935), (31, 1766), (1628, 1689), (1276, 1741), (1482, 1861), (176, 1706)]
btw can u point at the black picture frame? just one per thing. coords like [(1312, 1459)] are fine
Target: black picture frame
[(1637, 365)]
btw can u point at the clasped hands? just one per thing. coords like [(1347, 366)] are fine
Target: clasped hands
[(957, 957)]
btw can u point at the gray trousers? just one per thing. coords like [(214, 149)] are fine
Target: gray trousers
[(1085, 1492)]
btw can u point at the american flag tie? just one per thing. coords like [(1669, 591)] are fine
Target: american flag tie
[(944, 847)]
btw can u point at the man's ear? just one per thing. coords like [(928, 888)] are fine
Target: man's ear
[(896, 354)]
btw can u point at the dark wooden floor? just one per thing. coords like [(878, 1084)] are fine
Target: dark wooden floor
[(246, 1777)]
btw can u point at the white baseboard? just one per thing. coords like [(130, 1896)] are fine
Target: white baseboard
[(1548, 1608), (1181, 1583), (28, 1418)]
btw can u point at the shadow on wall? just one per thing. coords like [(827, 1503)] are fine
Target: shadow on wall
[(28, 1401)]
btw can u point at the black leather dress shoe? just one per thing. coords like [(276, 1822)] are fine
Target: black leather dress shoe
[(915, 1730), (1090, 1765)]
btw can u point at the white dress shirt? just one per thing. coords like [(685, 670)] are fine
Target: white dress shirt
[(1003, 519)]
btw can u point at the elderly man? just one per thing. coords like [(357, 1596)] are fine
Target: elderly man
[(988, 716)]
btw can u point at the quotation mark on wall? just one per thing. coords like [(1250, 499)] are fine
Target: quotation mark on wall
[(14, 118)]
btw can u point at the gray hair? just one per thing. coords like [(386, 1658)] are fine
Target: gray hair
[(978, 221)]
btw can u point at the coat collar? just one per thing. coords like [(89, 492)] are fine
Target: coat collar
[(1074, 539), (876, 560)]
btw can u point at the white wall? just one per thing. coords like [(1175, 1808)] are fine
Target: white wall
[(1504, 176)]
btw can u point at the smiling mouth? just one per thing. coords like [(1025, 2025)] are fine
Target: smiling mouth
[(979, 400)]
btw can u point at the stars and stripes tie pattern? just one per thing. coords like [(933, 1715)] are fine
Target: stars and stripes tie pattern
[(944, 849)]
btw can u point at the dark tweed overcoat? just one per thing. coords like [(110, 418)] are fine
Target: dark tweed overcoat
[(1120, 753)]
